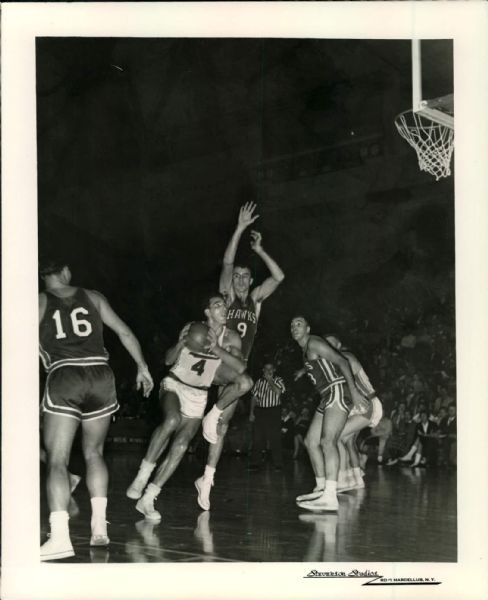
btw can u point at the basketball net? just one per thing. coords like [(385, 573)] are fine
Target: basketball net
[(432, 141)]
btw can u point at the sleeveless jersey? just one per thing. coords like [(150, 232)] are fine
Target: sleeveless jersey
[(243, 318), (71, 332), (322, 372), (361, 379), (196, 369)]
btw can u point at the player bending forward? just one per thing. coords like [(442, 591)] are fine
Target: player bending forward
[(183, 395), (331, 374), (350, 476)]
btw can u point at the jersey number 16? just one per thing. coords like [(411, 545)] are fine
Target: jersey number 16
[(80, 327)]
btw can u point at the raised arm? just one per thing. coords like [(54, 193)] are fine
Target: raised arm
[(127, 339), (325, 350), (246, 218), (261, 292)]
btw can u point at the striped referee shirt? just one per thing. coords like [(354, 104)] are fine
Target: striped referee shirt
[(265, 395)]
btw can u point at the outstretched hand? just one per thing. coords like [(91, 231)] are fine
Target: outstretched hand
[(246, 215), (144, 381), (298, 374)]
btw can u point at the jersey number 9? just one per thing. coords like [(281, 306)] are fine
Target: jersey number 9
[(242, 328)]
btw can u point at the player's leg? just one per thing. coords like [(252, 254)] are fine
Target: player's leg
[(183, 436), (212, 425), (312, 444), (159, 440), (352, 478), (59, 432), (204, 483), (94, 434), (335, 418)]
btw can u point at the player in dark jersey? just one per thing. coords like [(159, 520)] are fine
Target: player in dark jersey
[(183, 396), (80, 387), (244, 307), (331, 374)]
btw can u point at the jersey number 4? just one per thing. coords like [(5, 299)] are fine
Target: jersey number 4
[(199, 367), (80, 327)]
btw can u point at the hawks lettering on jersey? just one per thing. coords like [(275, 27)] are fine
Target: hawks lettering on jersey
[(71, 331), (242, 317), (195, 369)]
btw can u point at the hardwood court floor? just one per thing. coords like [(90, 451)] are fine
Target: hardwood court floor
[(403, 515)]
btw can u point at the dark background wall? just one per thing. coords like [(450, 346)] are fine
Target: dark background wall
[(148, 147)]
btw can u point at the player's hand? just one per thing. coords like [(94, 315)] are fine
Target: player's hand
[(212, 340), (256, 241), (252, 418), (298, 374), (144, 381), (246, 215)]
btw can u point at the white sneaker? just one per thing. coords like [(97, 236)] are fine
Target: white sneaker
[(136, 488), (146, 507), (346, 486), (99, 535), (98, 539), (209, 426), (55, 549), (203, 488), (316, 493), (321, 504)]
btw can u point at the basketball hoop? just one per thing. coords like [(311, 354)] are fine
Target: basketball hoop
[(432, 141)]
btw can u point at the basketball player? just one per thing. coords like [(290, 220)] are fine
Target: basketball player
[(183, 396), (329, 372), (244, 307), (350, 477), (80, 387)]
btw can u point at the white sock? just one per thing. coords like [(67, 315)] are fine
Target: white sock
[(99, 519), (152, 491), (215, 410), (330, 487), (146, 467), (58, 521), (356, 473), (209, 473), (320, 482)]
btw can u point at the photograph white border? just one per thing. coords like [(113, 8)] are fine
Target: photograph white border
[(24, 577)]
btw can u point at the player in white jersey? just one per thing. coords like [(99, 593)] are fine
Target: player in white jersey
[(183, 395), (350, 477)]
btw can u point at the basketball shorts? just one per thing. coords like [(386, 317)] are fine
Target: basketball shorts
[(376, 412), (80, 392), (335, 395), (192, 400)]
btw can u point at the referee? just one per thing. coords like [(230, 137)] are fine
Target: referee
[(266, 416)]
